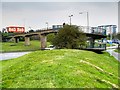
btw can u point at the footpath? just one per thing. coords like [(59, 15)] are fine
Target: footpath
[(111, 51), (114, 54), (6, 56)]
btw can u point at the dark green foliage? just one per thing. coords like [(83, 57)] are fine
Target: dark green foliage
[(114, 36), (50, 37), (21, 39), (69, 37), (118, 36), (31, 30), (5, 36)]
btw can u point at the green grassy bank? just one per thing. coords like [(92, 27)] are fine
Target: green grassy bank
[(10, 46), (61, 69), (117, 50)]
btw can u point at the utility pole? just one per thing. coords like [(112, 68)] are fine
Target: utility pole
[(88, 21)]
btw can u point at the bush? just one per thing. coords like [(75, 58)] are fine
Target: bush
[(69, 37)]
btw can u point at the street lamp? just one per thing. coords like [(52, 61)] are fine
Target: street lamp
[(87, 19), (70, 19), (47, 25)]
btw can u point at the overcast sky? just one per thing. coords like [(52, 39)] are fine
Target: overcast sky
[(36, 14)]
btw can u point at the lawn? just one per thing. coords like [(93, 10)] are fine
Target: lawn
[(108, 45), (10, 46), (63, 68), (117, 50)]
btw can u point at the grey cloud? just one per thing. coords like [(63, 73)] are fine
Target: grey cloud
[(37, 13)]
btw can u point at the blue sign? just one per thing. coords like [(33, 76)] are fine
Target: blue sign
[(110, 42)]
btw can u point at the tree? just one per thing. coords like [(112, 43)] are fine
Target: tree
[(50, 37), (3, 30), (69, 37), (118, 36), (31, 30), (108, 37), (114, 36)]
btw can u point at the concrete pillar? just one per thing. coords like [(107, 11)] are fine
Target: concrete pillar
[(118, 46), (43, 39), (105, 47), (92, 42), (27, 41), (16, 39)]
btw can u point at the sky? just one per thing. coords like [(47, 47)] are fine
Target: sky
[(60, 0), (36, 14)]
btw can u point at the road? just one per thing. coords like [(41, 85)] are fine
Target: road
[(6, 56)]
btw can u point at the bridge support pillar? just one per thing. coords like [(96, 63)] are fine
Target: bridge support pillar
[(92, 41), (16, 39), (118, 46), (27, 41), (43, 39)]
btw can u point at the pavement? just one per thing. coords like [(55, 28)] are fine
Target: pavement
[(114, 54), (11, 55), (111, 51)]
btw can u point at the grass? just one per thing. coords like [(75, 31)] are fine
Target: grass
[(63, 68), (117, 50), (108, 45), (10, 46)]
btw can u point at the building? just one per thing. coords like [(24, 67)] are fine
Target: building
[(104, 29), (57, 27)]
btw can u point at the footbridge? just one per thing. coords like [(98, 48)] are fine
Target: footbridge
[(42, 34), (92, 44), (43, 38)]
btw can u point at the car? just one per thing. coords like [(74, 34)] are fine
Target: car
[(118, 42), (108, 41), (51, 47)]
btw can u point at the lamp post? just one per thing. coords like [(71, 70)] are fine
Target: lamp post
[(70, 19), (87, 19)]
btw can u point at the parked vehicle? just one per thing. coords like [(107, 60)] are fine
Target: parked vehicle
[(51, 47), (108, 41), (117, 41)]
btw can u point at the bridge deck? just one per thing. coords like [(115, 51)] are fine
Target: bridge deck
[(95, 36), (95, 49)]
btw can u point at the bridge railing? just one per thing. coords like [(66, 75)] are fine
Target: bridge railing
[(96, 45), (38, 31)]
